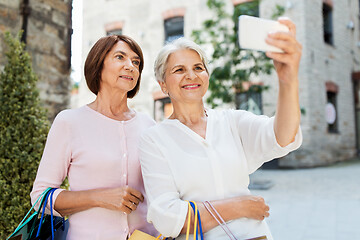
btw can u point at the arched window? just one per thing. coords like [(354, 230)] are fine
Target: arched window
[(331, 111)]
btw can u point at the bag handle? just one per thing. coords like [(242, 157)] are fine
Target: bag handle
[(25, 220), (43, 210), (197, 222), (209, 207), (197, 216), (51, 213), (197, 225)]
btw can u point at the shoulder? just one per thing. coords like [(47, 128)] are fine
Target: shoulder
[(155, 132), (145, 119), (69, 116)]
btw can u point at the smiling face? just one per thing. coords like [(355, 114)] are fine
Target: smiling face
[(186, 79), (121, 69)]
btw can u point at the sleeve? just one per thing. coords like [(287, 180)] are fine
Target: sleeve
[(166, 211), (258, 139), (55, 161)]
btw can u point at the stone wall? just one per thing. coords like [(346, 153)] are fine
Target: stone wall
[(48, 35)]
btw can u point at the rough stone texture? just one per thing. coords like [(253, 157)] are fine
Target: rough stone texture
[(48, 42), (320, 63)]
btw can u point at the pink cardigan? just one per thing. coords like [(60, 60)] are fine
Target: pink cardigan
[(94, 151)]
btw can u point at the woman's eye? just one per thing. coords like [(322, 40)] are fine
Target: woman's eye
[(119, 57), (136, 63), (199, 68), (178, 70)]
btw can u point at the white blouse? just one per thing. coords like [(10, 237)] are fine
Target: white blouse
[(178, 165)]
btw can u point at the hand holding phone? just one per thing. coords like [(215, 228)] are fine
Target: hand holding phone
[(253, 31)]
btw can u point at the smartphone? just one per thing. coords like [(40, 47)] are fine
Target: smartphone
[(253, 32)]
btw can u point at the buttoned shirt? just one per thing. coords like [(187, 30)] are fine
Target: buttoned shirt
[(178, 165), (95, 152)]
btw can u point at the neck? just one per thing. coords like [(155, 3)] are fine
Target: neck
[(189, 113), (112, 105)]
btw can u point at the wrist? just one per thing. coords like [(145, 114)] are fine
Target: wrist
[(94, 199)]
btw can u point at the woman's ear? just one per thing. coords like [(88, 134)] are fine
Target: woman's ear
[(163, 87)]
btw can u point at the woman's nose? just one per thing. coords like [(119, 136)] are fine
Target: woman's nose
[(129, 65), (191, 75)]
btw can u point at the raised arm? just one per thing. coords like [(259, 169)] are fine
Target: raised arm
[(287, 118)]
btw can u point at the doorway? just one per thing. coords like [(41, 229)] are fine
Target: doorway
[(356, 88)]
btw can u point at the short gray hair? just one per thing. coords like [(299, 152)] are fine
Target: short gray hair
[(171, 47)]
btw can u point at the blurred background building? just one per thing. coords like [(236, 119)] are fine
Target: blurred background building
[(47, 33), (329, 74)]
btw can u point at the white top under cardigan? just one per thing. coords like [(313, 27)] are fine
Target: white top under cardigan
[(178, 165)]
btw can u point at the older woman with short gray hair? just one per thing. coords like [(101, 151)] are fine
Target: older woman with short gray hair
[(206, 155)]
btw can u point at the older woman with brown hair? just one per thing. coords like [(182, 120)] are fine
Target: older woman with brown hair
[(206, 155), (96, 148)]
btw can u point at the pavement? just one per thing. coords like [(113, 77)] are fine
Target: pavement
[(314, 204)]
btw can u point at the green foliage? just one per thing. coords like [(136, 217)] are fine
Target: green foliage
[(232, 65), (23, 129), (279, 11)]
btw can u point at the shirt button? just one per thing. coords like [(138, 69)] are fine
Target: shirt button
[(124, 155), (126, 230)]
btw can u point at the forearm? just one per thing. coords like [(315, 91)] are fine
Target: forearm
[(229, 209), (287, 118), (70, 202)]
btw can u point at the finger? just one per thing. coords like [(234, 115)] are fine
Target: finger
[(267, 208), (287, 22), (138, 195), (132, 206), (125, 208), (261, 199), (135, 193), (132, 199), (283, 45), (279, 57), (281, 36)]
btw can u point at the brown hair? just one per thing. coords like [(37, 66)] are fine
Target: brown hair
[(95, 61)]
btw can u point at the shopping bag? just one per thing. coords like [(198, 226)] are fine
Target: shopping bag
[(139, 235), (44, 227)]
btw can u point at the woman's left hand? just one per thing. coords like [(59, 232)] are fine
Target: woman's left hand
[(287, 63)]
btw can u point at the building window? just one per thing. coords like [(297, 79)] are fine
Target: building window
[(250, 100), (174, 28), (114, 32), (328, 23), (331, 111), (162, 109), (114, 28)]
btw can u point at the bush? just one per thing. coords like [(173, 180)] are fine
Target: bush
[(23, 130)]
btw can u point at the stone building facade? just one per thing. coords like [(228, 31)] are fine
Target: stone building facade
[(329, 69), (47, 33)]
